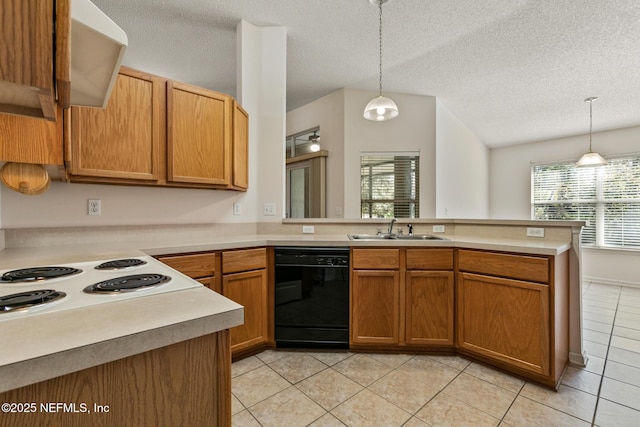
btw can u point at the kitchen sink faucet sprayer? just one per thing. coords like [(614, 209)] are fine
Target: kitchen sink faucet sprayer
[(410, 227)]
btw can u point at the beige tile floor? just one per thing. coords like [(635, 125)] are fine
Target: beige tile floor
[(306, 388)]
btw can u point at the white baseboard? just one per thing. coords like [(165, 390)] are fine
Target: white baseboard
[(578, 359), (606, 281)]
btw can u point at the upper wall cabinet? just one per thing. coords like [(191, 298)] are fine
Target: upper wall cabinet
[(198, 135), (35, 42), (157, 132), (240, 169), (29, 140), (123, 141)]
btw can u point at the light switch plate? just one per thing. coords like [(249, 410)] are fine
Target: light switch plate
[(269, 209), (438, 228), (236, 208), (535, 232), (308, 229)]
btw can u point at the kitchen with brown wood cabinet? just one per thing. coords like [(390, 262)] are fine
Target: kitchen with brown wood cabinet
[(434, 307)]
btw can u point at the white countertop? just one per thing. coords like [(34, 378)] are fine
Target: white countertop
[(48, 345), (45, 346), (529, 246)]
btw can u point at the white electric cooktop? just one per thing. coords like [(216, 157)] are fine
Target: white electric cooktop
[(40, 289)]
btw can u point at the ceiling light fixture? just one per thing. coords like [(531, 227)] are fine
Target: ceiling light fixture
[(591, 158), (380, 108), (315, 142)]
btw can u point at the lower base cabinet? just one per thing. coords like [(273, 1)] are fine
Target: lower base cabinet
[(375, 315), (402, 298), (168, 386), (248, 289), (512, 311), (245, 281), (505, 320), (429, 308)]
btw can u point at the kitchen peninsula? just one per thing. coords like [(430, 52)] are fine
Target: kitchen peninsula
[(198, 322)]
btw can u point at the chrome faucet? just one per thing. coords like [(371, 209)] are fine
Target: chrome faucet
[(393, 221)]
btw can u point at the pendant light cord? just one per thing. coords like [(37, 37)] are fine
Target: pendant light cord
[(590, 123), (380, 47)]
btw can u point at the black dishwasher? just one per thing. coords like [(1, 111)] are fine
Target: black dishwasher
[(312, 297)]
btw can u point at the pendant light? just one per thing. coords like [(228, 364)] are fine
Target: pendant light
[(380, 108), (591, 158), (315, 142)]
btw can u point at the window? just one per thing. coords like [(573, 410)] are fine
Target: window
[(389, 185), (607, 197)]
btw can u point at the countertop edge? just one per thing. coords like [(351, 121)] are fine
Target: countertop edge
[(500, 244), (88, 354)]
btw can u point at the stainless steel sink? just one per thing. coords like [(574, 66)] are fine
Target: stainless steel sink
[(369, 236), (419, 237), (394, 237)]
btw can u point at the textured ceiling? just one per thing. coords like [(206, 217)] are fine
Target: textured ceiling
[(513, 71)]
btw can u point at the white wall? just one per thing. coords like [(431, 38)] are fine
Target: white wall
[(454, 163), (510, 176), (262, 90), (510, 189), (413, 130), (65, 205), (328, 113), (462, 171)]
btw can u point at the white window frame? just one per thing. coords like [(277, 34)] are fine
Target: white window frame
[(413, 199), (623, 224)]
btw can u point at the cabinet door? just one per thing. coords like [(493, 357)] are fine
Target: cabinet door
[(504, 320), (27, 69), (198, 135), (124, 140), (250, 290), (375, 304), (429, 308), (29, 140), (240, 148)]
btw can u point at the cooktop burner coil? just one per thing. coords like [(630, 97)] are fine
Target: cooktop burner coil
[(119, 264), (29, 299), (34, 274), (130, 283)]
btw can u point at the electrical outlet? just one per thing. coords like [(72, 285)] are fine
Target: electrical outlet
[(438, 228), (338, 211), (535, 232), (308, 229), (94, 207), (269, 209), (236, 208)]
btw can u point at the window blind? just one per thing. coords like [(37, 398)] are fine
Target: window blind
[(607, 197), (389, 185)]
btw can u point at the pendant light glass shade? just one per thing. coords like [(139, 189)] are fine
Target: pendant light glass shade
[(591, 158), (380, 108)]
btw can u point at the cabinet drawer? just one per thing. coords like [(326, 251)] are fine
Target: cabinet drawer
[(523, 267), (429, 259), (244, 260), (195, 266), (375, 259)]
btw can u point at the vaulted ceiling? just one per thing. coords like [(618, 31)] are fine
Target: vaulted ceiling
[(513, 71)]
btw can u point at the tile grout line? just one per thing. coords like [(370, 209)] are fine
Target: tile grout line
[(606, 358)]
